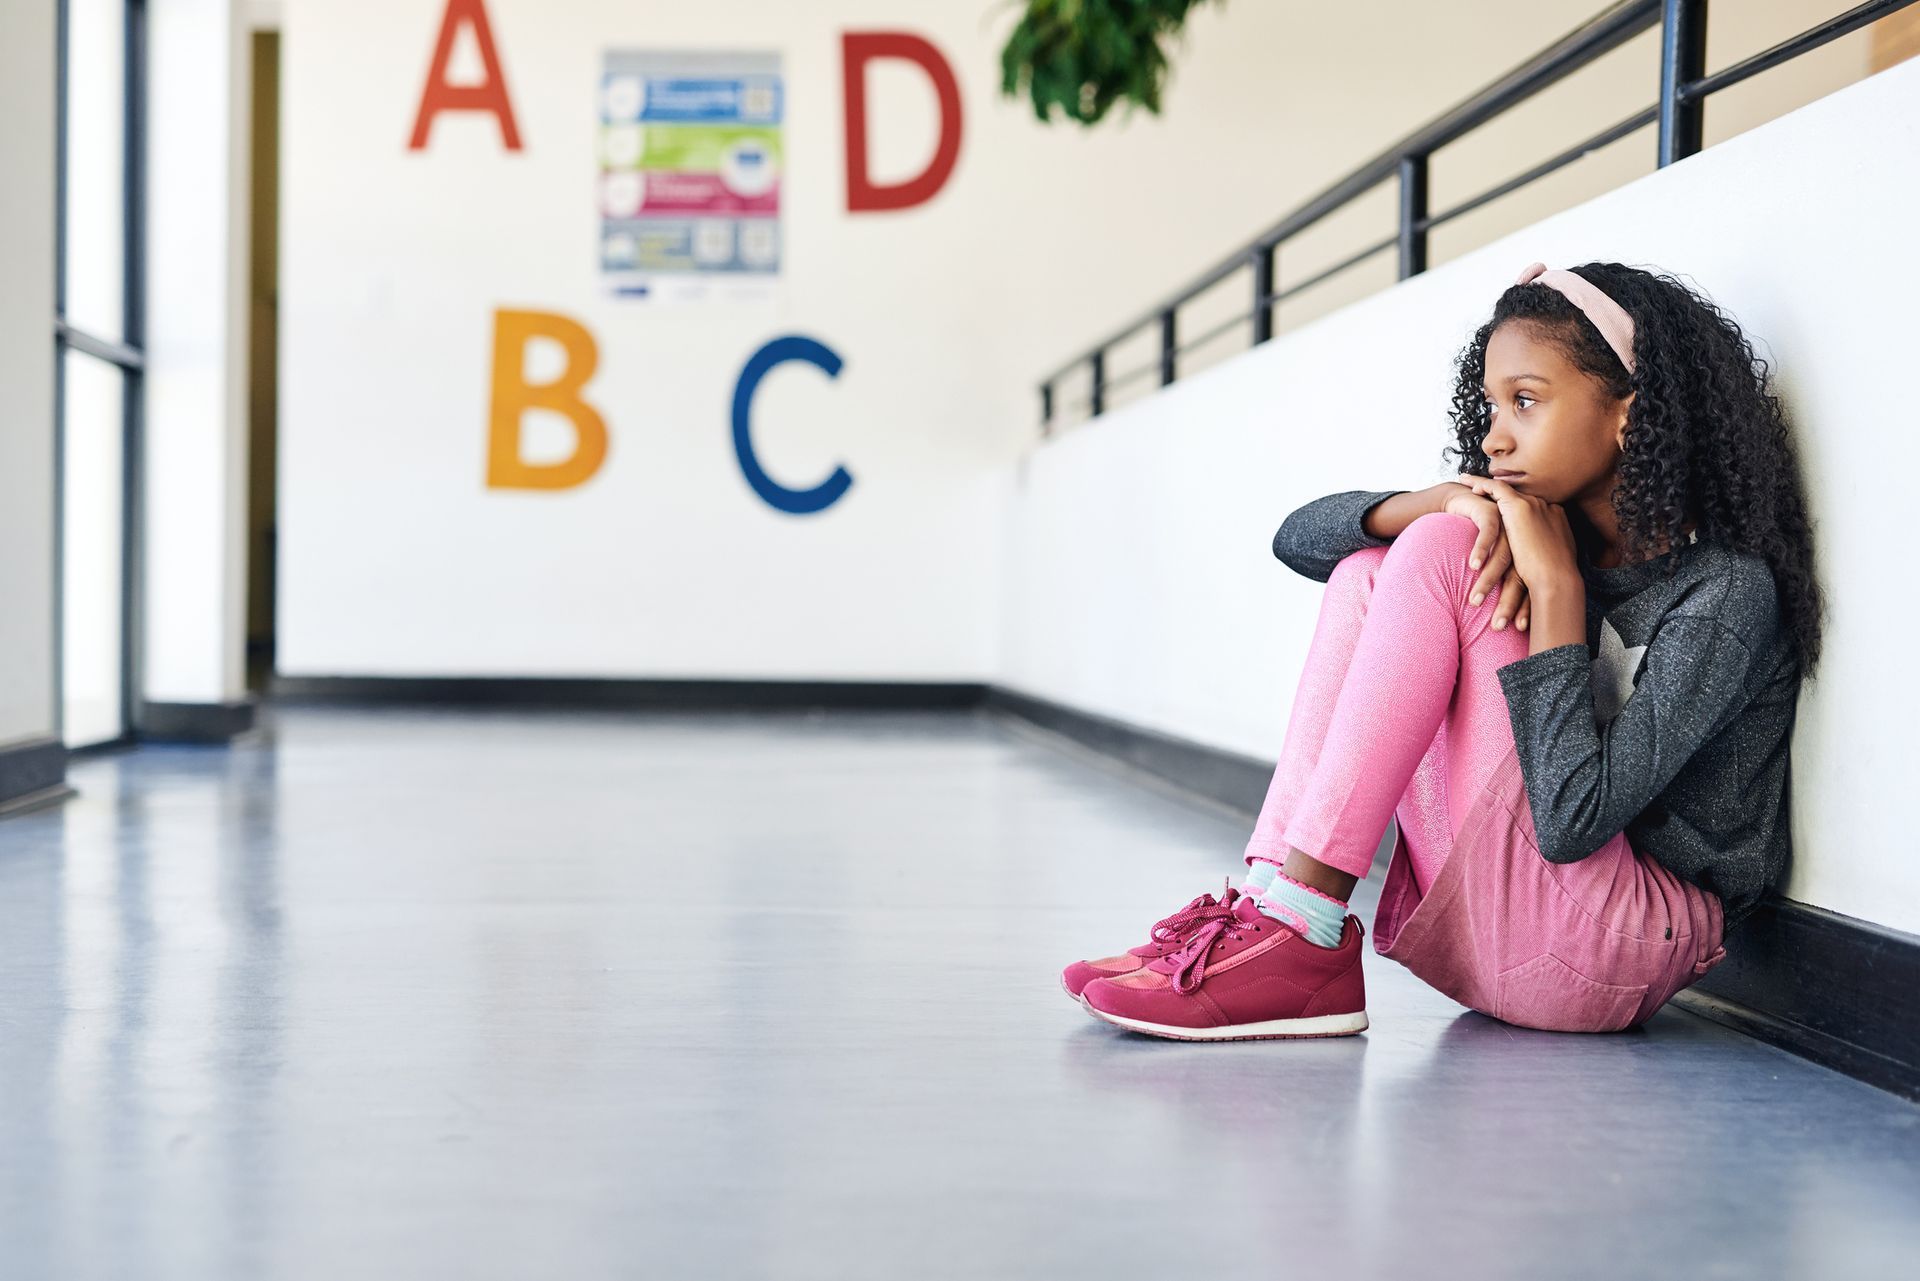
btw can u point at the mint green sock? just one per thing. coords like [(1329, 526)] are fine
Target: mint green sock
[(1259, 875), (1318, 917)]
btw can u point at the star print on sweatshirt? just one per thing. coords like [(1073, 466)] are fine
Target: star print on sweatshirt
[(1615, 669)]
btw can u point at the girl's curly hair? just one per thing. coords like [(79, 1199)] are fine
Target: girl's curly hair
[(1705, 433)]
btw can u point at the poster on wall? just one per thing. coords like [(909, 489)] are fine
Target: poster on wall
[(690, 174)]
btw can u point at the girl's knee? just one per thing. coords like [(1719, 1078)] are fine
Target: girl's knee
[(1439, 534), (1442, 525)]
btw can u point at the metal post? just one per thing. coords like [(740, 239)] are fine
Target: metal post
[(1262, 291), (1413, 213), (1099, 363), (1046, 409), (1169, 347), (1683, 60)]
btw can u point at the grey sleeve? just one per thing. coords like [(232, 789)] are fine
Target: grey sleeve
[(1586, 782), (1318, 536)]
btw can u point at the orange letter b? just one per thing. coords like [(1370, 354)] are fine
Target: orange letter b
[(513, 396)]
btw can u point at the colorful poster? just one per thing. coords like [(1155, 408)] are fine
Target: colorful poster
[(690, 174)]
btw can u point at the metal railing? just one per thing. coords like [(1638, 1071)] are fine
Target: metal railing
[(1680, 110)]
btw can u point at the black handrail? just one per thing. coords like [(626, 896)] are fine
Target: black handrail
[(1680, 111)]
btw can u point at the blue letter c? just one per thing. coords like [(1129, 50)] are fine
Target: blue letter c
[(797, 501)]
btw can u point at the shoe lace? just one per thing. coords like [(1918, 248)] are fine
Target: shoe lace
[(1172, 929), (1190, 962)]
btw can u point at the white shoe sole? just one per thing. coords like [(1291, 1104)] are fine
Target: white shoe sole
[(1271, 1030)]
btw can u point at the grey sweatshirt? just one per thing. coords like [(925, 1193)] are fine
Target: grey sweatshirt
[(1672, 723)]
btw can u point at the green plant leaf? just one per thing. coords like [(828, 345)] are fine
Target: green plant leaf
[(1083, 56)]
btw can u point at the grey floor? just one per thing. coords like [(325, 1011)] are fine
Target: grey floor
[(453, 995)]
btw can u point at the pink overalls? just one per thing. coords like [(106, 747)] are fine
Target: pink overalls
[(1399, 714)]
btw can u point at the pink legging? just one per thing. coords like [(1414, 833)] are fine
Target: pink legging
[(1399, 710)]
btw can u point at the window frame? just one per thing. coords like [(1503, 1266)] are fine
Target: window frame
[(128, 355)]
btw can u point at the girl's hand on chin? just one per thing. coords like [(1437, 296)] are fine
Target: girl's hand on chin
[(1537, 534)]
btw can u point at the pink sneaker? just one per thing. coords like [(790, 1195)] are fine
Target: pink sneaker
[(1241, 976), (1168, 935)]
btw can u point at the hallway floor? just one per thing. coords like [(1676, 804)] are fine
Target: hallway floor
[(436, 994)]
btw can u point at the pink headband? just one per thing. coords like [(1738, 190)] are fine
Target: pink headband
[(1608, 316)]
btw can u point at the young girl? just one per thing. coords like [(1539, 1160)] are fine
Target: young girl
[(1571, 676)]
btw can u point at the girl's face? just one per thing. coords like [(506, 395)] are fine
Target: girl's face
[(1550, 421)]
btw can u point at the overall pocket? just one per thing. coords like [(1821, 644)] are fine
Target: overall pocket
[(1549, 994)]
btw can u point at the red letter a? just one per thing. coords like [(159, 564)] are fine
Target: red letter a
[(489, 95)]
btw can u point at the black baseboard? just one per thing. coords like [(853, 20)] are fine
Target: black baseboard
[(33, 773), (196, 722), (1842, 992), (1237, 782), (591, 692)]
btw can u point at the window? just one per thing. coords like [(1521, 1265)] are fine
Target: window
[(97, 333)]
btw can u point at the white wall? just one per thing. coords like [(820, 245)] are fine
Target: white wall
[(196, 424), (395, 559), (1142, 584), (26, 368), (395, 556)]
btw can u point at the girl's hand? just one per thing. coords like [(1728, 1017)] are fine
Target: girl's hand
[(1537, 534), (1494, 558)]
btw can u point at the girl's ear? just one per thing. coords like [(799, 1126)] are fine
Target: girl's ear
[(1620, 435)]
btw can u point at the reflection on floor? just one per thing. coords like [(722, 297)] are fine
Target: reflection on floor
[(417, 994)]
